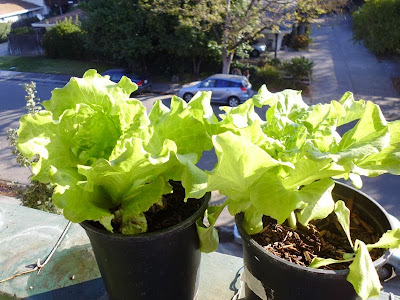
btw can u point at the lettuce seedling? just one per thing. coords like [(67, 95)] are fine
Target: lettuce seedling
[(283, 167), (107, 157)]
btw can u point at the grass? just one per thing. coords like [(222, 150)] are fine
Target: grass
[(41, 64)]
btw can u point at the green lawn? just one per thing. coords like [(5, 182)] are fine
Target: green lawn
[(41, 64)]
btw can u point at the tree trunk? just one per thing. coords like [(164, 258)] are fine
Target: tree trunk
[(226, 57), (302, 28), (196, 65), (226, 61)]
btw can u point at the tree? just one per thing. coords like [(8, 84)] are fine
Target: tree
[(308, 10), (57, 6), (377, 24), (129, 31), (122, 31), (232, 22)]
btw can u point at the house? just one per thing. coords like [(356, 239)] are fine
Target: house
[(282, 25), (14, 10)]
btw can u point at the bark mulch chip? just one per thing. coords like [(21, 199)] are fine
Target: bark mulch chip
[(322, 238)]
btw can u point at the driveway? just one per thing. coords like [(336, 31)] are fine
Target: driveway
[(342, 64), (4, 49)]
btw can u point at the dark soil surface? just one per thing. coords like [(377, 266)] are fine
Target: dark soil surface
[(174, 212), (10, 189), (323, 238)]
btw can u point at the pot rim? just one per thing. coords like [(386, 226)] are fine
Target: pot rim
[(155, 234), (377, 263)]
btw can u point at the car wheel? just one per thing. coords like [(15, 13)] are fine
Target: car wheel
[(187, 97), (254, 53), (233, 101)]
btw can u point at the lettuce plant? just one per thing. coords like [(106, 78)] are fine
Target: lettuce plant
[(283, 167), (107, 158)]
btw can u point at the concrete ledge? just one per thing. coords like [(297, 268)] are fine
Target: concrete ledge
[(27, 235)]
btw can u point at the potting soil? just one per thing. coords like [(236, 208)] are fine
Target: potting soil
[(321, 238)]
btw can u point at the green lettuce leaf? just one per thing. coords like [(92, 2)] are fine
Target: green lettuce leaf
[(208, 235), (319, 262), (343, 216), (271, 198), (369, 136), (362, 274), (237, 170), (390, 239), (318, 199), (108, 160)]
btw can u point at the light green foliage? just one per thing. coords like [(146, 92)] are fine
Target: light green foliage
[(65, 40), (293, 154), (208, 235), (107, 158), (284, 165), (298, 67), (390, 239), (362, 274), (318, 262), (37, 195), (377, 24), (343, 216), (307, 10), (4, 31)]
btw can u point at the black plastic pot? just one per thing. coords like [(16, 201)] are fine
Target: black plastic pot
[(155, 265), (279, 279)]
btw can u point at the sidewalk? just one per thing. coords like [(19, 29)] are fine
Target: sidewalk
[(163, 88)]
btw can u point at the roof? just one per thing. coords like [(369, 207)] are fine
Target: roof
[(9, 8), (57, 19)]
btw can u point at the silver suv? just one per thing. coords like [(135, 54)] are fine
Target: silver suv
[(226, 89)]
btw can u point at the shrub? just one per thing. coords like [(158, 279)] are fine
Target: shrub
[(300, 42), (26, 22), (4, 31), (243, 67), (298, 67), (269, 75), (276, 62), (377, 24), (20, 30), (65, 40)]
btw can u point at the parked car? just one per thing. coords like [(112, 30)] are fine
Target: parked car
[(142, 82), (257, 49), (225, 88)]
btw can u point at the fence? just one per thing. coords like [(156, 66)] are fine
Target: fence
[(25, 44)]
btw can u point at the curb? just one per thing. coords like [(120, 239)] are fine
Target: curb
[(47, 78), (36, 77)]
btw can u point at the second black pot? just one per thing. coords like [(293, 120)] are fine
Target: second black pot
[(156, 265), (277, 279)]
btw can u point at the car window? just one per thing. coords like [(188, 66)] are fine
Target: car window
[(208, 83), (235, 84), (115, 77), (222, 83)]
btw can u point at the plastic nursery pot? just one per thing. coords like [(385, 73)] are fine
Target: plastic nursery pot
[(155, 265), (270, 277)]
